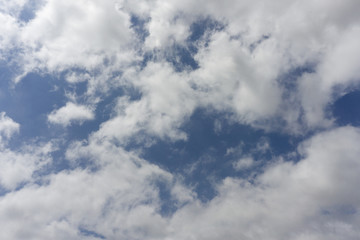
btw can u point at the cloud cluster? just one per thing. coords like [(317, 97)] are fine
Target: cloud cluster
[(21, 167), (273, 66), (311, 199), (243, 67), (117, 199)]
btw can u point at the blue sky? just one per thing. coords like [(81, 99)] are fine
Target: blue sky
[(179, 120)]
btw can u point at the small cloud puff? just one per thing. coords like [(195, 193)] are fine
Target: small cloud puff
[(243, 164), (71, 113)]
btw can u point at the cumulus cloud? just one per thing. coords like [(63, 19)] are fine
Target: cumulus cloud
[(242, 65), (82, 34), (8, 127), (313, 198), (167, 102), (317, 89), (18, 167), (231, 79), (120, 199), (8, 34), (76, 37), (274, 66), (70, 113)]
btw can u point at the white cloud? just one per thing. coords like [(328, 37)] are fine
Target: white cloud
[(167, 101), (12, 7), (231, 79), (82, 34), (74, 77), (18, 167), (317, 89), (240, 68), (164, 28), (71, 113), (8, 127), (315, 198), (8, 34), (119, 200), (240, 72), (244, 164)]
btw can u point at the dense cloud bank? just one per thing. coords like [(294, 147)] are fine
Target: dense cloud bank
[(138, 71)]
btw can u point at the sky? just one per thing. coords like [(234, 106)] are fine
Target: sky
[(179, 120)]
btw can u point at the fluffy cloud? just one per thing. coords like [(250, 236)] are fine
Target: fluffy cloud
[(167, 102), (65, 35), (70, 113), (7, 127), (311, 199), (8, 34), (243, 66), (231, 79), (118, 199), (275, 66), (19, 167), (317, 89)]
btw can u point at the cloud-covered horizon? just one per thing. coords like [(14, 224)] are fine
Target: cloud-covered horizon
[(179, 120)]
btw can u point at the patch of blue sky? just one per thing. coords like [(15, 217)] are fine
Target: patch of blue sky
[(346, 109), (29, 10), (345, 211), (289, 80), (88, 233), (204, 157), (181, 56), (258, 42), (199, 28), (168, 205), (208, 155), (3, 191), (138, 26), (33, 98), (30, 102)]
